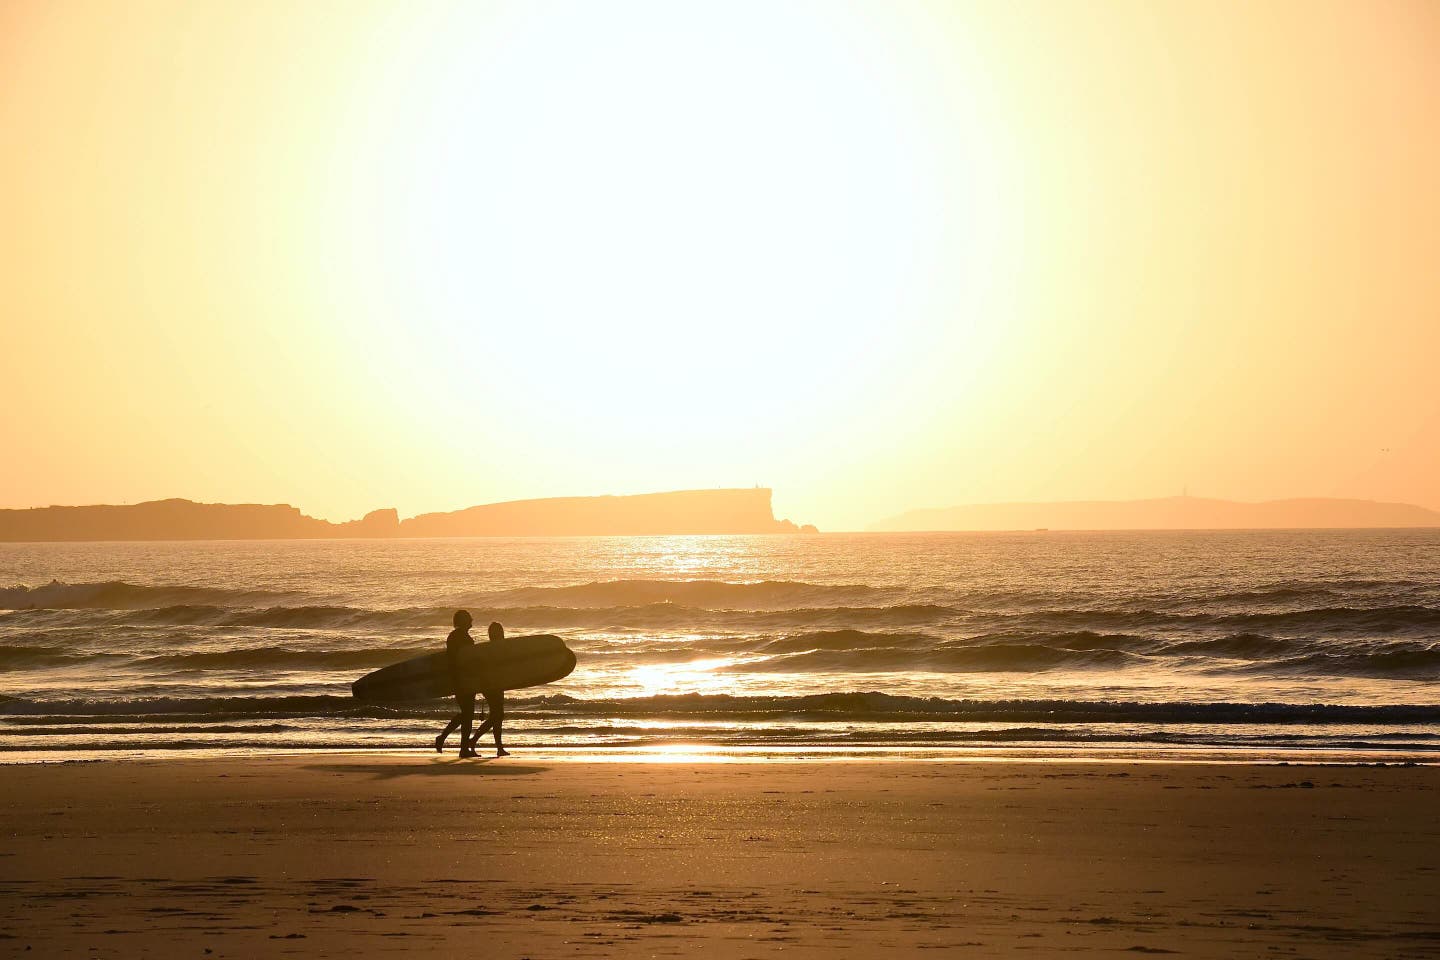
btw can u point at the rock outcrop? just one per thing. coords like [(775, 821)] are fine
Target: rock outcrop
[(681, 512)]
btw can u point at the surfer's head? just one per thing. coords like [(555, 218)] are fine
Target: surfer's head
[(463, 620), (496, 631)]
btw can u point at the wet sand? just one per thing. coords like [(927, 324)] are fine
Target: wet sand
[(416, 855)]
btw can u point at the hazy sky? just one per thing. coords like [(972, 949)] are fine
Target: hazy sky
[(877, 256)]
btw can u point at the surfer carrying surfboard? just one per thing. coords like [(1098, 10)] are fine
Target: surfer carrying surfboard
[(465, 668), (456, 644)]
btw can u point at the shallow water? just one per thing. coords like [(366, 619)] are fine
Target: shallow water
[(1277, 641)]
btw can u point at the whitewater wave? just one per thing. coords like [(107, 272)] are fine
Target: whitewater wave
[(119, 595), (1409, 620), (1344, 620), (1324, 621), (20, 657), (987, 658), (761, 605), (1399, 664), (660, 615), (849, 640), (870, 705), (816, 652), (282, 658), (760, 595)]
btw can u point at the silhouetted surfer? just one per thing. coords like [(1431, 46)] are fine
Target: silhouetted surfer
[(456, 644), (494, 705)]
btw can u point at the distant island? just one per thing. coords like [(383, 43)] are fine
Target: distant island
[(1165, 513), (675, 513)]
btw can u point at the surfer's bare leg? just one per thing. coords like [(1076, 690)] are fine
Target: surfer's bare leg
[(496, 704), (480, 731), (450, 728), (467, 716)]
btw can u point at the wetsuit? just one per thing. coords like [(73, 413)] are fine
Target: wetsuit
[(456, 644)]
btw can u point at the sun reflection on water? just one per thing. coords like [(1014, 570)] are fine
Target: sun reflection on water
[(694, 676)]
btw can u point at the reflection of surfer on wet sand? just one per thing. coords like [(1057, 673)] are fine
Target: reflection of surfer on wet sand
[(466, 668)]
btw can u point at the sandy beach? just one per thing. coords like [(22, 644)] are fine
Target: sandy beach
[(383, 854)]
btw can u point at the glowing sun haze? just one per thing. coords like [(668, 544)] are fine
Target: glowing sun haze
[(877, 256)]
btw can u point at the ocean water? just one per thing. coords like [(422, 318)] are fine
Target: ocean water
[(1319, 644)]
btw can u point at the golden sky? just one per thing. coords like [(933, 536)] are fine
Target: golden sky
[(877, 256)]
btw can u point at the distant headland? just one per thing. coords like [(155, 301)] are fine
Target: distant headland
[(1166, 513), (676, 513)]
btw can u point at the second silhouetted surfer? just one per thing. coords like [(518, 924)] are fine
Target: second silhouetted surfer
[(495, 706)]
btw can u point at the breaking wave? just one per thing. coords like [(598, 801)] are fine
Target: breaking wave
[(1069, 636), (762, 595), (816, 652), (119, 595), (869, 705)]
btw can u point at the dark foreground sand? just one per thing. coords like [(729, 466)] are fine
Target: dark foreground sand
[(377, 855)]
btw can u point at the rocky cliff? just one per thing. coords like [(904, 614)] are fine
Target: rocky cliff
[(162, 520), (681, 512)]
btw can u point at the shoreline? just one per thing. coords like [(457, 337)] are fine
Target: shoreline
[(378, 854), (789, 754)]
